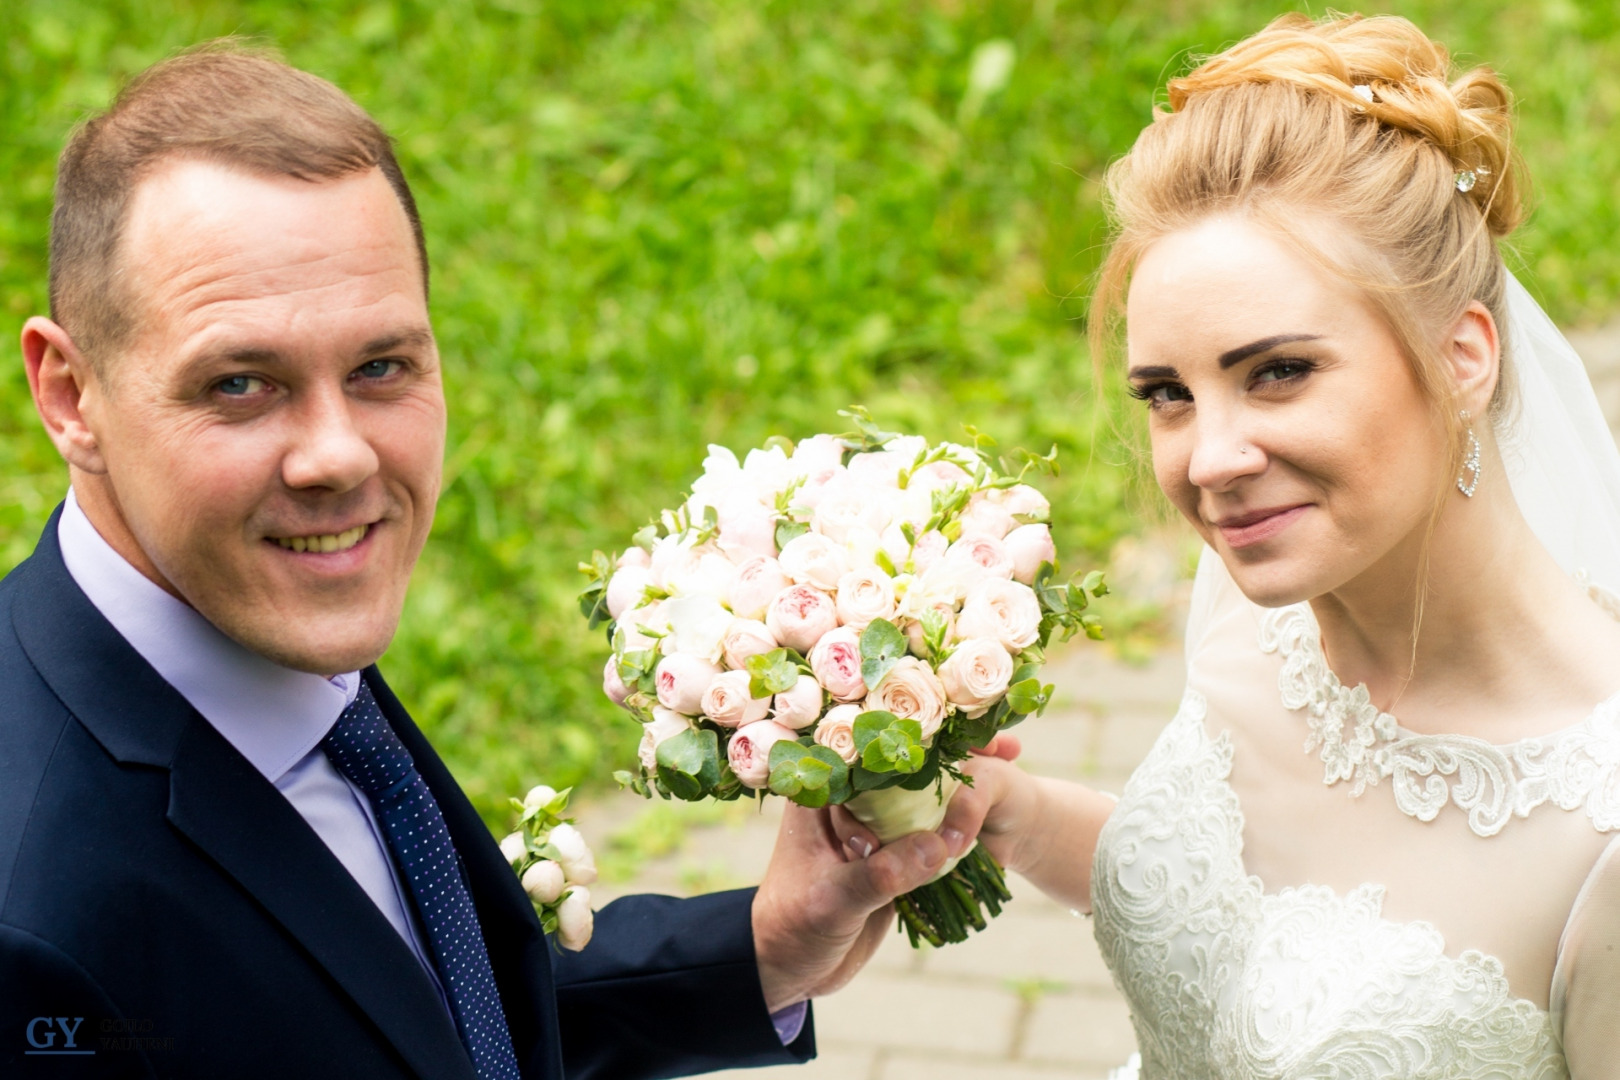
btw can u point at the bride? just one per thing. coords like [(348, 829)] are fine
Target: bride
[(1376, 838)]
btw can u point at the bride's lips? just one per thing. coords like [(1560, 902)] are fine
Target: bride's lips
[(1258, 526)]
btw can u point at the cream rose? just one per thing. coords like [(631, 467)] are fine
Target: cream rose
[(755, 586), (938, 475), (813, 559), (514, 847), (573, 854), (634, 556), (800, 615), (865, 595), (837, 731), (575, 920), (911, 690), (750, 751), (930, 548), (1022, 500), (727, 701), (625, 588), (744, 639), (985, 518), (976, 675), (665, 724), (612, 683), (800, 705), (836, 660), (681, 679), (847, 505), (980, 556), (652, 617), (747, 531), (539, 795), (543, 881), (1029, 546), (1006, 611)]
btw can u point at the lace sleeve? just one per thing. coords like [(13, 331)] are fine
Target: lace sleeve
[(1585, 998)]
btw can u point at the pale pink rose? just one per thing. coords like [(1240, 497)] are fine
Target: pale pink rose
[(819, 453), (847, 505), (682, 678), (728, 703), (573, 854), (800, 706), (755, 586), (652, 617), (813, 559), (672, 559), (1021, 499), (976, 675), (879, 468), (981, 552), (911, 690), (543, 881), (938, 475), (816, 485), (746, 638), (1006, 611), (746, 531), (612, 684), (836, 660), (799, 616), (865, 595), (985, 518), (750, 751), (1029, 546), (916, 637), (837, 731), (665, 724), (709, 574), (931, 547), (634, 556)]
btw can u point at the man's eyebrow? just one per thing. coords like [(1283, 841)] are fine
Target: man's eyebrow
[(401, 339), (1243, 352), (1159, 372)]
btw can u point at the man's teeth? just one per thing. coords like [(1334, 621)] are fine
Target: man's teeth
[(330, 542)]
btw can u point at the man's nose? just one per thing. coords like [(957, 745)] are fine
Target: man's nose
[(1223, 454), (328, 446)]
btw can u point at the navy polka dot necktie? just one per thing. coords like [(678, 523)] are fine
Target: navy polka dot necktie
[(366, 750)]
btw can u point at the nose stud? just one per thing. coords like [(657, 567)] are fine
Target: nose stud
[(1243, 449)]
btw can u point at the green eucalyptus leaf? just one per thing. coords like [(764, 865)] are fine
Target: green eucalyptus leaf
[(882, 647), (771, 673), (689, 764), (888, 743)]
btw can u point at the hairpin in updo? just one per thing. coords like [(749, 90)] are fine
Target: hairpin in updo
[(1467, 178)]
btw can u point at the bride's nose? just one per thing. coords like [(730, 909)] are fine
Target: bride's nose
[(1222, 455)]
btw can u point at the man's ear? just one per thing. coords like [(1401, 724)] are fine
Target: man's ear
[(60, 378), (1475, 354)]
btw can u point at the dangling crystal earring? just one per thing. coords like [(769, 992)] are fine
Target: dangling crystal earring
[(1469, 480)]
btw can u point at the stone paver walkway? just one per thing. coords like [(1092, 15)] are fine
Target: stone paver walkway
[(1029, 997)]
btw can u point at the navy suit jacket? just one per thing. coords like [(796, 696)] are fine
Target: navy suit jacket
[(163, 906)]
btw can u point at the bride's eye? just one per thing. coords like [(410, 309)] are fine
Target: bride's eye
[(1159, 394), (1282, 371)]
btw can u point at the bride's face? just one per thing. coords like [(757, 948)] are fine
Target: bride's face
[(1286, 423)]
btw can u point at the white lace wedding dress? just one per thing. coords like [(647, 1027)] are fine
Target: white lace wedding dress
[(1293, 885)]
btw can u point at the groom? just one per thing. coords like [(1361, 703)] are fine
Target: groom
[(225, 850)]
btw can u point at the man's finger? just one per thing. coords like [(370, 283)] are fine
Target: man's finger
[(894, 870), (964, 817), (855, 840), (1003, 746)]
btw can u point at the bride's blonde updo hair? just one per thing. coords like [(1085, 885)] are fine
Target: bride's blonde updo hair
[(1357, 122)]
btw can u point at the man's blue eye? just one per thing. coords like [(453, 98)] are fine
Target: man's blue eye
[(237, 385), (376, 369)]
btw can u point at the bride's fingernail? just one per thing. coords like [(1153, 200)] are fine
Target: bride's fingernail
[(858, 847), (955, 841)]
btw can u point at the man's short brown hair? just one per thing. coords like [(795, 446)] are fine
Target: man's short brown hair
[(222, 102)]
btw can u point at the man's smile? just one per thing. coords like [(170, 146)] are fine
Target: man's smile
[(324, 543)]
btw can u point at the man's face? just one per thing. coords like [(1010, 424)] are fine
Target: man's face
[(274, 433)]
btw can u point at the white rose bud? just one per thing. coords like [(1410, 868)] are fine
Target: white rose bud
[(929, 550), (976, 675), (514, 847), (665, 724), (573, 855), (847, 505), (745, 639), (865, 595), (727, 703), (612, 683), (985, 518), (1023, 500), (912, 691), (539, 795), (750, 751), (543, 881), (800, 615), (682, 678), (836, 660), (575, 920), (813, 559), (1006, 611), (757, 583), (837, 731), (625, 587), (1029, 546), (800, 706)]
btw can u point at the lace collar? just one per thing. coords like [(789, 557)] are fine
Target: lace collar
[(1578, 767)]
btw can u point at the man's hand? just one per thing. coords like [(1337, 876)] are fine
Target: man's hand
[(823, 908)]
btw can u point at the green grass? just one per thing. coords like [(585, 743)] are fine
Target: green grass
[(660, 224)]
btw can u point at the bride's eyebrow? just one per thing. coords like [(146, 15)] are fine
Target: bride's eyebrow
[(1159, 372), (1243, 352)]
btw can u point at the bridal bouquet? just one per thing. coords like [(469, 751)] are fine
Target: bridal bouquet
[(554, 864), (841, 621)]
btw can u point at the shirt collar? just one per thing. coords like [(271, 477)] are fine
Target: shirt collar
[(273, 715)]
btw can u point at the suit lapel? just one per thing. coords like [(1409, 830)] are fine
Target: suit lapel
[(229, 811)]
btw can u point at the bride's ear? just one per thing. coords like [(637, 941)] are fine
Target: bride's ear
[(1475, 354)]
